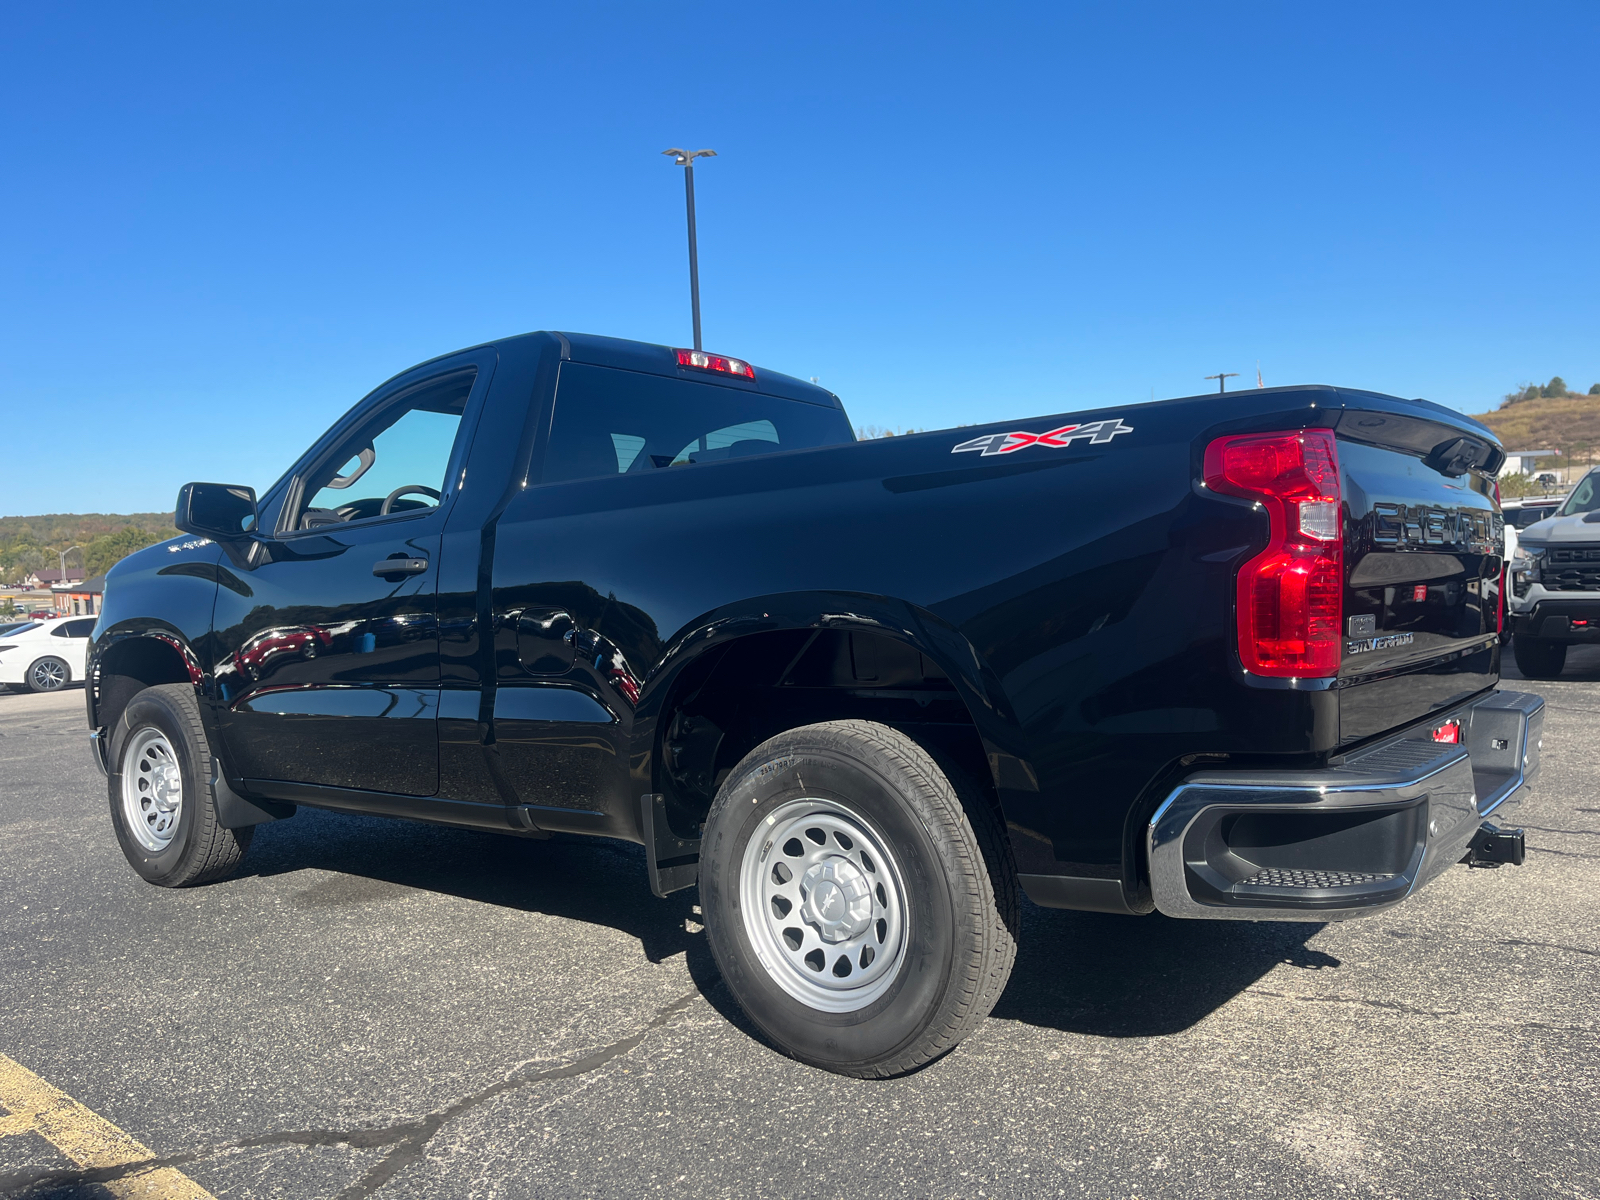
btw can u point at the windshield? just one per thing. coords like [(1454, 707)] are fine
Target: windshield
[(13, 630), (1585, 497)]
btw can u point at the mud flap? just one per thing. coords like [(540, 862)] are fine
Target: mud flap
[(674, 861), (237, 812)]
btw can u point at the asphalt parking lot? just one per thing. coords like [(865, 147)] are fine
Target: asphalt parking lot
[(387, 1009)]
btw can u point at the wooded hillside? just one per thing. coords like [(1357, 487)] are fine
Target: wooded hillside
[(102, 539), (1569, 424)]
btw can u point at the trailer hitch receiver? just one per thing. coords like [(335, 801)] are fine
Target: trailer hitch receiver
[(1492, 846)]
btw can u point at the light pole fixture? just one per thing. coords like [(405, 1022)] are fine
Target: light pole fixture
[(1222, 378), (685, 159)]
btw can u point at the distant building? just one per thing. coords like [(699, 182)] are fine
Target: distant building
[(80, 599), (40, 580), (1524, 462)]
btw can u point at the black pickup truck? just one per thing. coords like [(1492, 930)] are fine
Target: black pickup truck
[(1216, 657)]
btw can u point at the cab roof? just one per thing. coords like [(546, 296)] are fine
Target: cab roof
[(654, 359)]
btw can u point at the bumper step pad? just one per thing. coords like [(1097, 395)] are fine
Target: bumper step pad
[(1278, 877)]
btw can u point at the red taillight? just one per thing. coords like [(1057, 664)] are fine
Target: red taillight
[(701, 361), (1290, 596), (1449, 733)]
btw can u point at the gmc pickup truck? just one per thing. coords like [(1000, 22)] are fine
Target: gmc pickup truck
[(861, 694)]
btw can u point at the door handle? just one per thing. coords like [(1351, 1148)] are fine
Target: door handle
[(400, 566)]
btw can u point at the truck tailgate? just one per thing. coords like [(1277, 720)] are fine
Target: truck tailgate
[(1423, 558)]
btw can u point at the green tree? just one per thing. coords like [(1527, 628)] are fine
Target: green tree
[(1556, 388), (1594, 389), (22, 558), (106, 551)]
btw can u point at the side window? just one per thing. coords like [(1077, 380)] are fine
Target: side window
[(1582, 498), (395, 462), (77, 629), (614, 422)]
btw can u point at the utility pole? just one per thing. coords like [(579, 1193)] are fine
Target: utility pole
[(1222, 380), (685, 159)]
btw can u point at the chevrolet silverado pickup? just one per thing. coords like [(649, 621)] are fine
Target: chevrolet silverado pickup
[(1554, 599), (862, 694)]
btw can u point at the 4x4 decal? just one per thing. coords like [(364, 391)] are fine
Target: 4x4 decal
[(1098, 433)]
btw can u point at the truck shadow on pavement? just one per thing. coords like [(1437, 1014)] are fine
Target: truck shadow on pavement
[(593, 880), (1086, 973), (1113, 976)]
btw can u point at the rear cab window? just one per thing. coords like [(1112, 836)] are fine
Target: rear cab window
[(610, 421)]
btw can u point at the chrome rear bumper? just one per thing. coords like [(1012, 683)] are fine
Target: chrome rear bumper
[(1348, 840)]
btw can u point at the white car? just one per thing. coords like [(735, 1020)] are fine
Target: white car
[(45, 656)]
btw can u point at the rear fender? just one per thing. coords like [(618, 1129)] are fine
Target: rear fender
[(975, 683)]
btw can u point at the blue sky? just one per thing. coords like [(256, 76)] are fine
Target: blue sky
[(221, 225)]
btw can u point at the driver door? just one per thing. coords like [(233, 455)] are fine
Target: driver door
[(328, 664)]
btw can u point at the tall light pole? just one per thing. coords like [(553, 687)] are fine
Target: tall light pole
[(1222, 380), (685, 159)]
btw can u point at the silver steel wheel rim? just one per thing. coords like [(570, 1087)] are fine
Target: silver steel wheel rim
[(47, 676), (824, 905), (152, 790)]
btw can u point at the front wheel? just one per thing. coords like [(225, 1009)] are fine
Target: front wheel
[(161, 802), (1538, 658), (858, 898)]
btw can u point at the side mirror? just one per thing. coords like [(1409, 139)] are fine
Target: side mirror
[(224, 512)]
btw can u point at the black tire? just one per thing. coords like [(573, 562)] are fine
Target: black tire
[(1538, 658), (200, 850), (47, 674), (959, 894)]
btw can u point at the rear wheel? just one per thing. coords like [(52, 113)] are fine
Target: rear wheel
[(48, 675), (160, 788), (1538, 658), (858, 898)]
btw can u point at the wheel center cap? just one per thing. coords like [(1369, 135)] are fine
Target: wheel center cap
[(165, 789), (838, 899)]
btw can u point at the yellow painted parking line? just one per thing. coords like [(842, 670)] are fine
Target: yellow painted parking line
[(88, 1139)]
